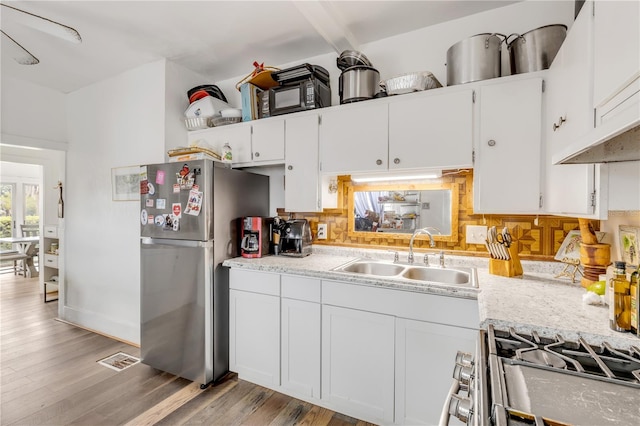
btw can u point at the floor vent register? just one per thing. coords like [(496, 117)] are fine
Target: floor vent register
[(119, 361)]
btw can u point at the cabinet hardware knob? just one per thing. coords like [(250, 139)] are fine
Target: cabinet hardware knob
[(378, 162), (491, 142), (290, 167), (257, 154), (560, 121), (396, 161)]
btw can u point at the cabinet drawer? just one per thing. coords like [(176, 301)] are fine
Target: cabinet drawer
[(256, 282), (301, 288), (453, 311), (51, 260), (50, 231)]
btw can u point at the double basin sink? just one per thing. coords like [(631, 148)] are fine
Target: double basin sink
[(459, 276)]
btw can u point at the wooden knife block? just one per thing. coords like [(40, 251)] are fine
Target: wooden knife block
[(506, 268)]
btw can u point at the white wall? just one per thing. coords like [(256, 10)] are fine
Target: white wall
[(426, 49), (32, 115), (178, 81), (115, 123), (136, 117)]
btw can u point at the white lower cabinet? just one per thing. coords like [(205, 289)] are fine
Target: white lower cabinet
[(300, 326), (381, 355), (357, 363), (424, 356), (254, 327)]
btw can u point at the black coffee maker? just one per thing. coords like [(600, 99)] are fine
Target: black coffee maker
[(291, 237)]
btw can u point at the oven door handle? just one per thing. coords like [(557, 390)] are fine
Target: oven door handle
[(444, 415)]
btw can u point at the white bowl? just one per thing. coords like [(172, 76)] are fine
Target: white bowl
[(231, 112)]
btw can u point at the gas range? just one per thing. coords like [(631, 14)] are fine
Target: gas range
[(526, 379)]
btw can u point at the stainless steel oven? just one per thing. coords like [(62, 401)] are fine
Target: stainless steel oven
[(525, 379)]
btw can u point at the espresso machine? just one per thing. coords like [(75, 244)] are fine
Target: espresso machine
[(254, 237), (295, 240)]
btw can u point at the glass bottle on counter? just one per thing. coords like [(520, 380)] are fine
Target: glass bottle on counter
[(620, 308), (635, 296)]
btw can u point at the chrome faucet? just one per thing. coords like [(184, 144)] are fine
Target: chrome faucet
[(416, 233)]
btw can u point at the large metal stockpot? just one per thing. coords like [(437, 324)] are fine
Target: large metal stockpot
[(473, 59), (358, 83), (536, 49)]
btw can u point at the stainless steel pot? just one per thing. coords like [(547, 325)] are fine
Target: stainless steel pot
[(536, 49), (358, 83), (475, 58)]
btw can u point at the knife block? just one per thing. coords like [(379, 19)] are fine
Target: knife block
[(506, 268)]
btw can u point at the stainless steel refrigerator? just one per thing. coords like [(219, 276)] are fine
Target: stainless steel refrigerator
[(188, 226)]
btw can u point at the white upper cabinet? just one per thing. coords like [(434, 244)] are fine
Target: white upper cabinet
[(572, 189), (354, 138), (258, 142), (616, 46), (267, 140), (608, 34), (507, 164), (302, 179), (431, 131), (568, 87)]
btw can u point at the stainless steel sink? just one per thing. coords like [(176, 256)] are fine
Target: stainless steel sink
[(442, 275), (373, 268), (415, 273)]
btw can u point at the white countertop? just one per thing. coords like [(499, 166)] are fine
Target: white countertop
[(535, 301)]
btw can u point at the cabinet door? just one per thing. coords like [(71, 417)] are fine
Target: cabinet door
[(616, 47), (300, 364), (254, 337), (431, 131), (568, 86), (507, 164), (358, 363), (302, 179), (267, 139), (425, 358), (238, 135), (354, 138), (570, 189)]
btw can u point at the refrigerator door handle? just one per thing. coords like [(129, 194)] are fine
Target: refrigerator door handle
[(181, 243)]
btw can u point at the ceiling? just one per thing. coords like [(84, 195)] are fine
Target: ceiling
[(218, 39)]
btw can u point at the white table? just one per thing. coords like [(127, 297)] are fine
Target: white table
[(23, 243)]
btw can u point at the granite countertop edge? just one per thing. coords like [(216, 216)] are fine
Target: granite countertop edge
[(536, 301)]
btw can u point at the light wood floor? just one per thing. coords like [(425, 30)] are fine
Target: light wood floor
[(49, 376)]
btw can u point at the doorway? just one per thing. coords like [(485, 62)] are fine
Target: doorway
[(20, 202)]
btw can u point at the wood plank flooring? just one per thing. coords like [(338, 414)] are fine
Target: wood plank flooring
[(50, 376)]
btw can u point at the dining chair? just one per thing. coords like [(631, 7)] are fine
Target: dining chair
[(15, 257), (30, 230)]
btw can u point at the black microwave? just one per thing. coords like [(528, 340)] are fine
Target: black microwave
[(302, 95)]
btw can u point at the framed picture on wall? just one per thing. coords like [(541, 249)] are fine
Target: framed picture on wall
[(125, 183), (629, 244)]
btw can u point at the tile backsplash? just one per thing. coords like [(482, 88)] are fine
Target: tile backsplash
[(536, 237)]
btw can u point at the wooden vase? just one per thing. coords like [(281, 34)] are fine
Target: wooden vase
[(594, 259)]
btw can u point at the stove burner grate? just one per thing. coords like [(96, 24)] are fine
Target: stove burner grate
[(580, 357)]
